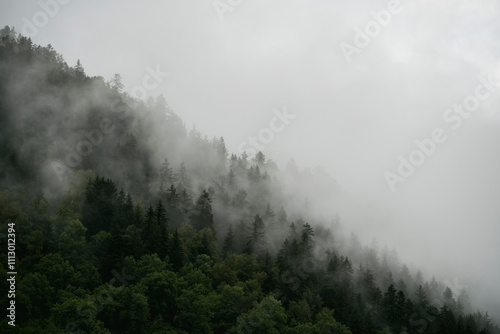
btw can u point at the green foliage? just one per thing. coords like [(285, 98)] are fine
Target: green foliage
[(268, 317), (326, 323), (58, 271)]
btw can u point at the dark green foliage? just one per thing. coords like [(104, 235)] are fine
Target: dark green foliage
[(202, 216), (99, 206), (176, 252), (229, 242)]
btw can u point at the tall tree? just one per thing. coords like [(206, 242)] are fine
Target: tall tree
[(162, 222), (150, 232), (202, 216), (166, 174), (182, 178), (176, 252), (256, 238), (229, 243)]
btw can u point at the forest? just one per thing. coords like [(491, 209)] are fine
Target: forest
[(127, 222)]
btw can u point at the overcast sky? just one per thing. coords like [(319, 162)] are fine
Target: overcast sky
[(356, 111)]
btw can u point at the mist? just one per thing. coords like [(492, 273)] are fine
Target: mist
[(296, 77)]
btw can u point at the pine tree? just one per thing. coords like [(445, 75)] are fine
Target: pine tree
[(283, 256), (176, 252), (282, 219), (256, 238), (116, 83), (100, 206), (421, 298), (166, 173), (259, 159), (172, 197), (162, 222), (268, 217), (228, 245), (203, 216), (182, 178), (389, 305), (306, 242), (231, 179), (150, 231)]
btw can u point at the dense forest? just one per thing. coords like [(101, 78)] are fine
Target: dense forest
[(127, 222)]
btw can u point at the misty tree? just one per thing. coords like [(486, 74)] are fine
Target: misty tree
[(116, 83), (138, 216), (229, 242), (150, 232), (202, 216), (231, 179), (282, 218), (172, 197), (389, 304), (127, 148), (185, 204), (268, 217), (293, 234), (79, 72), (449, 300), (162, 222), (220, 148), (421, 298), (256, 237), (160, 104), (176, 253), (401, 285), (259, 159), (239, 200), (233, 161), (166, 173), (283, 256), (242, 163), (306, 236), (182, 178), (98, 210)]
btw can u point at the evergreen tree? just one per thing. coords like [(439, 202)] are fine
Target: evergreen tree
[(202, 216), (229, 242), (116, 83), (176, 252), (150, 232), (259, 159), (256, 238), (166, 174), (268, 217), (162, 222), (182, 178)]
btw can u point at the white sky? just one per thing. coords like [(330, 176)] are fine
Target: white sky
[(355, 119)]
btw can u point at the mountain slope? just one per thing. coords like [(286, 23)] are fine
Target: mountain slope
[(127, 222)]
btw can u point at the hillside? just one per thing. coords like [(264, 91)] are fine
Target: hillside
[(127, 222)]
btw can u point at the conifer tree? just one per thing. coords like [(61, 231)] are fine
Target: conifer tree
[(176, 252), (202, 216), (229, 243)]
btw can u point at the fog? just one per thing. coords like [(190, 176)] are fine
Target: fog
[(233, 68)]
